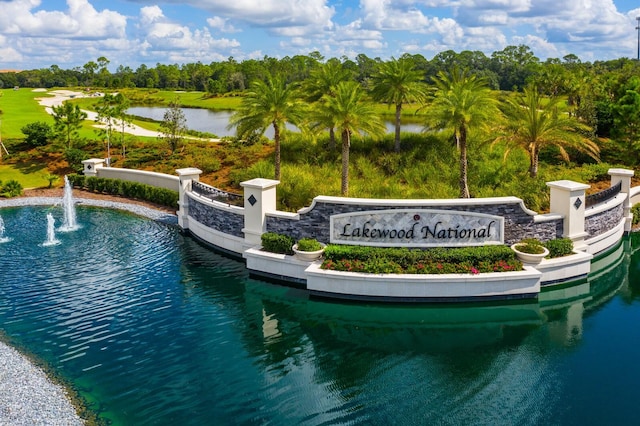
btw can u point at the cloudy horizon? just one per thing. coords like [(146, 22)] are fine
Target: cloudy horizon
[(36, 34)]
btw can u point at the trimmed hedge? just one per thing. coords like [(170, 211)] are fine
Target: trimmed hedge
[(277, 243), (439, 260), (124, 188), (559, 247)]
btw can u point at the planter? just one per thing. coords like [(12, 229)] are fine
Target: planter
[(423, 287), (308, 256), (530, 258)]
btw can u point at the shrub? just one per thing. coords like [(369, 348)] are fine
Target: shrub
[(530, 246), (74, 157), (37, 133), (135, 190), (559, 247), (636, 214), (473, 260), (277, 243), (11, 188), (309, 244)]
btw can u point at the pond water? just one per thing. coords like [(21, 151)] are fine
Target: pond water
[(150, 327), (216, 122)]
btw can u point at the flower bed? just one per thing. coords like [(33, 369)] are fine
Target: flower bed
[(374, 260)]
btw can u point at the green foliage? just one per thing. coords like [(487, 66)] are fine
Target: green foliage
[(431, 261), (174, 125), (74, 157), (207, 164), (277, 243), (51, 179), (635, 210), (68, 120), (309, 244), (37, 133), (11, 188), (559, 247), (530, 246), (134, 190)]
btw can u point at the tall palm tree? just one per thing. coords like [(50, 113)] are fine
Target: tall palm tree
[(397, 82), (350, 113), (323, 81), (268, 103), (461, 101), (534, 124)]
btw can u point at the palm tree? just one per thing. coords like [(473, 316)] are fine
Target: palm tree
[(397, 82), (268, 103), (534, 125), (348, 111), (323, 81), (461, 101)]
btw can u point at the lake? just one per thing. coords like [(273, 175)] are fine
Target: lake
[(216, 122), (152, 328)]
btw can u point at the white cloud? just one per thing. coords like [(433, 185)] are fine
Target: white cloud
[(384, 16), (81, 20), (269, 13), (179, 42), (221, 24)]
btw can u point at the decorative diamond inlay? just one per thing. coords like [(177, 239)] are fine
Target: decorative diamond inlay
[(252, 200), (578, 203)]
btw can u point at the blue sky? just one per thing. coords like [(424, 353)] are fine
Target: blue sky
[(70, 33)]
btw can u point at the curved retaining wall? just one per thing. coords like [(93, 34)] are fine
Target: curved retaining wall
[(593, 229), (519, 222), (505, 220), (95, 167)]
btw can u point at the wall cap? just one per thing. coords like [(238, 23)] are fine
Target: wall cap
[(188, 171), (621, 172), (568, 185), (259, 183), (423, 203)]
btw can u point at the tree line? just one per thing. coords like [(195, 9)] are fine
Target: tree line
[(508, 69)]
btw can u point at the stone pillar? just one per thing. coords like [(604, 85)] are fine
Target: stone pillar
[(186, 176), (259, 198), (91, 166), (624, 176), (568, 199)]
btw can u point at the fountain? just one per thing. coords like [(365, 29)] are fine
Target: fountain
[(3, 239), (51, 233), (69, 221)]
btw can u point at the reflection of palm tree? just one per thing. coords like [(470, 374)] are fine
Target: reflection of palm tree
[(398, 82), (347, 111), (460, 102), (534, 124), (270, 103)]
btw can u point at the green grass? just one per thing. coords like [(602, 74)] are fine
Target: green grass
[(19, 108), (30, 175)]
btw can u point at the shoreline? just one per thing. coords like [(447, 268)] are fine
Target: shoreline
[(29, 393)]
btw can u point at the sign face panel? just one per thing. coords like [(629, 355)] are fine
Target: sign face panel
[(417, 228)]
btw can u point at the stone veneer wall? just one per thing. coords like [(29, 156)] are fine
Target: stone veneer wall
[(518, 223), (604, 221), (220, 220)]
